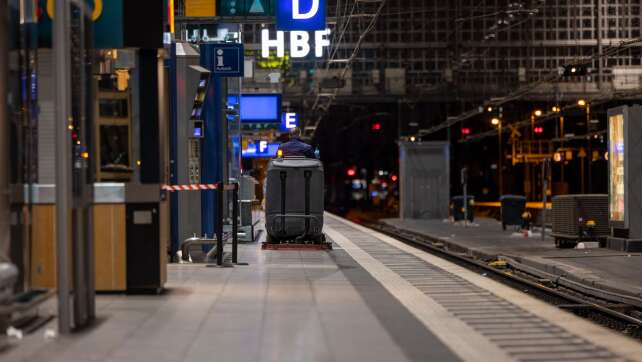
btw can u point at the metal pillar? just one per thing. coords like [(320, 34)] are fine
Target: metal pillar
[(546, 169), (499, 162), (4, 131), (82, 184), (235, 223), (218, 223), (589, 156), (464, 183), (63, 159), (214, 151), (598, 31)]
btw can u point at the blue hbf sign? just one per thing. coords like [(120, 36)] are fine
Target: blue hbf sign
[(289, 120), (305, 15), (228, 60)]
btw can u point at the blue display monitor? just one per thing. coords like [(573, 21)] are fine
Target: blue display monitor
[(258, 107)]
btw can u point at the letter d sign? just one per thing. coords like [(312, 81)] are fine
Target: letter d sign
[(305, 15)]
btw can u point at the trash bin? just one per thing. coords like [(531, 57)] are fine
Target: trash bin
[(513, 207), (457, 207), (8, 277)]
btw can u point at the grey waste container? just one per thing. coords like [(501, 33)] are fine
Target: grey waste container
[(513, 206)]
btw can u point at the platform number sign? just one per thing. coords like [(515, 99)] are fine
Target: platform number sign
[(306, 15), (289, 120)]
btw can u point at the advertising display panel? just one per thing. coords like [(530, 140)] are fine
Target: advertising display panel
[(617, 168)]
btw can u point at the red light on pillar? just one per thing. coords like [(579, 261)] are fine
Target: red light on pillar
[(376, 126), (538, 130), (465, 131), (394, 178), (351, 172)]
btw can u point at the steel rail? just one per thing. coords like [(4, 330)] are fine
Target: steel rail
[(578, 302)]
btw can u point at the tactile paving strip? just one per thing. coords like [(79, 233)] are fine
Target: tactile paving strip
[(520, 333)]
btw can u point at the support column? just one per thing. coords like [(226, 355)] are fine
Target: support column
[(4, 131), (63, 159)]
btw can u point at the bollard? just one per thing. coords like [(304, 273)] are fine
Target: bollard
[(219, 225)]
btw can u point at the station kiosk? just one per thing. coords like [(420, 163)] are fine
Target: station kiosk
[(625, 175), (130, 212)]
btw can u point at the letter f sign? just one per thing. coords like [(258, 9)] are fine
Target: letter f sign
[(306, 15)]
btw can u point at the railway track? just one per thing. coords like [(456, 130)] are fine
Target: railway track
[(609, 312)]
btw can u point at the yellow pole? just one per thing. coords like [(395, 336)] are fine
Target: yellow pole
[(171, 16)]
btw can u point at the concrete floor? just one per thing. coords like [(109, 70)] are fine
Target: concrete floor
[(284, 306)]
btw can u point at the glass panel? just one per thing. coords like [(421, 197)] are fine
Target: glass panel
[(117, 108), (234, 133), (114, 148)]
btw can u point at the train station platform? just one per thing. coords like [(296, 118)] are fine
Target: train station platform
[(371, 298), (603, 270)]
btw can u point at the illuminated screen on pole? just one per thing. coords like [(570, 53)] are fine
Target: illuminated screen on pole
[(616, 168), (258, 107)]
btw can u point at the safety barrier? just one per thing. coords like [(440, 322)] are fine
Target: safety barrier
[(221, 187)]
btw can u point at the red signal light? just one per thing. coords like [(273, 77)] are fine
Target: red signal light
[(394, 178), (465, 131), (351, 172), (376, 126), (538, 130)]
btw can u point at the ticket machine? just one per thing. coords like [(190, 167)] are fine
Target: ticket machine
[(192, 81)]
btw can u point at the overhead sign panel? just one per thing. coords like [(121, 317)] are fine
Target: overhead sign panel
[(300, 15), (116, 23), (245, 7), (200, 8)]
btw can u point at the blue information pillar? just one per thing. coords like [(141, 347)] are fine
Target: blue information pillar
[(223, 60)]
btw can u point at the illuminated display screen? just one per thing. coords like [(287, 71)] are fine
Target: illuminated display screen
[(256, 150), (616, 168), (258, 107), (201, 91)]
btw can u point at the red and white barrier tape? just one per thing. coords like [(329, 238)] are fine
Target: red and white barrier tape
[(197, 187)]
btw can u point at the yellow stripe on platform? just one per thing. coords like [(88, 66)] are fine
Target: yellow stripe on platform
[(529, 205)]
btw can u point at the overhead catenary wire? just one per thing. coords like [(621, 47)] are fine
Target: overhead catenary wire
[(604, 98), (323, 101), (524, 90), (329, 98)]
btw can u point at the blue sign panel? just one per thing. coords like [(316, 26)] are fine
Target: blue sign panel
[(289, 120), (258, 107), (305, 15), (229, 60), (261, 149)]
